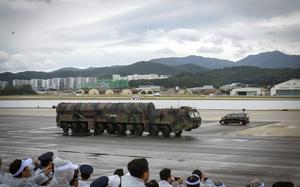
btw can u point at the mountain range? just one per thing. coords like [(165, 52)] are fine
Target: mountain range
[(272, 60), (167, 66)]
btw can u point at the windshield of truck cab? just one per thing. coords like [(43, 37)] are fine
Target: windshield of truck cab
[(197, 114), (192, 115)]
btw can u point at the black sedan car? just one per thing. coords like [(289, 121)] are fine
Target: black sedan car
[(240, 118)]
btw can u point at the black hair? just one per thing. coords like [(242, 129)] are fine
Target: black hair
[(283, 184), (197, 172), (85, 176), (45, 163), (137, 167), (119, 172), (193, 178), (15, 166), (75, 177), (152, 183), (164, 174)]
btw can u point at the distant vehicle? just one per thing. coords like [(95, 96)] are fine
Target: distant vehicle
[(156, 94), (117, 118), (240, 118)]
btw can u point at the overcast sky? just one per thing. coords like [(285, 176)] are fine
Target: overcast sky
[(45, 35)]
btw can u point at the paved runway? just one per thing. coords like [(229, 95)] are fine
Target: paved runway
[(220, 151)]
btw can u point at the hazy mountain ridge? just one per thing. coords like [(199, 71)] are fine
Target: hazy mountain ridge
[(273, 60), (167, 66)]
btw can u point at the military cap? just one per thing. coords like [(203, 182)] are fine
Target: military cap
[(100, 182), (86, 169), (46, 156), (193, 180)]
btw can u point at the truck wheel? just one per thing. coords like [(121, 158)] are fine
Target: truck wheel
[(99, 128), (139, 129), (75, 128), (110, 129), (65, 127), (178, 133), (84, 128), (132, 132), (154, 130), (121, 129), (166, 130)]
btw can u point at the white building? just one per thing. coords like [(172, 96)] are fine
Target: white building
[(288, 88), (248, 91), (140, 77), (231, 86), (18, 82)]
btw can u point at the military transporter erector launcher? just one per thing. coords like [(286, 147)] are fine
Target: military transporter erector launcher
[(117, 118)]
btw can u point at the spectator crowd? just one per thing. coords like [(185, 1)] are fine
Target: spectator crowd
[(52, 171)]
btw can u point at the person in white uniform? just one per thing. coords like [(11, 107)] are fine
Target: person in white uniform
[(46, 160), (165, 178), (85, 173), (65, 175), (138, 173)]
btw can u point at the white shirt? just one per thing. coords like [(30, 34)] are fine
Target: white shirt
[(164, 183), (130, 181), (83, 183)]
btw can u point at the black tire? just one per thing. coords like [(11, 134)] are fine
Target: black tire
[(222, 122), (139, 129), (121, 129), (99, 128), (65, 127), (75, 128), (154, 130), (110, 129), (83, 127), (166, 130), (132, 132), (178, 133)]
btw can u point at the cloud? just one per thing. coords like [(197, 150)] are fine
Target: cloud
[(52, 34), (207, 49)]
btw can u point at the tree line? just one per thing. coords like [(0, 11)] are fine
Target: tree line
[(20, 90)]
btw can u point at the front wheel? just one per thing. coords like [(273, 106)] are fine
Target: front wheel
[(65, 127), (178, 133)]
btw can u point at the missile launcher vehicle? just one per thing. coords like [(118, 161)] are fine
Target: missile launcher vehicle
[(118, 118)]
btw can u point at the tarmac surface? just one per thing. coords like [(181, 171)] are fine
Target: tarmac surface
[(268, 148)]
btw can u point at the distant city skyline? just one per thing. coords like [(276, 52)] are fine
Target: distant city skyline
[(45, 35)]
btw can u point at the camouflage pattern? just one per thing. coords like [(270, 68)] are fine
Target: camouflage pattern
[(120, 117)]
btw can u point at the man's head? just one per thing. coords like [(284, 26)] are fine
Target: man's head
[(193, 181), (46, 159), (152, 183), (20, 168), (85, 171), (100, 182), (283, 184), (198, 172), (165, 174), (119, 172), (139, 168)]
